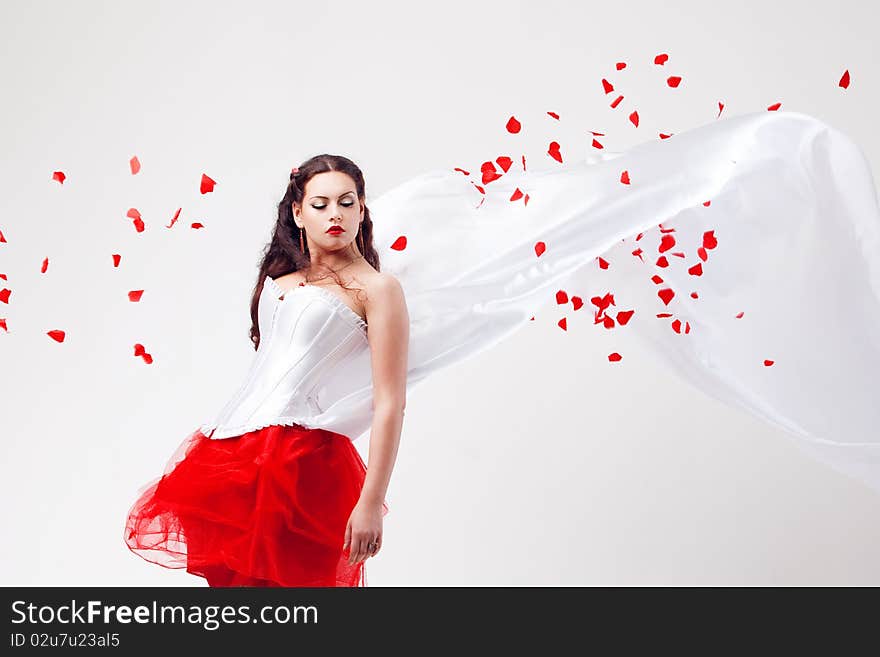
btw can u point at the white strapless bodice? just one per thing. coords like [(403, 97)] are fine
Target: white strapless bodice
[(312, 367)]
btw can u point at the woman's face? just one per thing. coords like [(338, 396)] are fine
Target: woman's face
[(330, 199)]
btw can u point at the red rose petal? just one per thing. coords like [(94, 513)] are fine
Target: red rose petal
[(596, 144), (44, 266), (139, 349), (135, 295), (513, 126), (666, 243), (696, 270), (739, 315), (59, 176), (553, 151), (196, 225), (666, 295), (562, 324), (399, 243), (607, 86), (634, 118), (616, 102), (662, 262), (138, 225), (661, 59), (844, 80), (624, 316), (702, 253), (540, 247), (504, 162), (768, 363), (517, 195), (577, 303), (676, 326), (774, 107), (621, 65), (174, 218), (656, 279), (624, 178), (614, 357), (489, 172), (664, 136), (561, 296), (56, 335), (709, 239), (3, 325), (673, 81), (116, 259), (694, 295), (554, 115), (207, 184), (4, 294), (135, 165), (462, 171), (707, 203), (603, 264)]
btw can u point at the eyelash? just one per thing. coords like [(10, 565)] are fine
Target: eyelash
[(321, 207)]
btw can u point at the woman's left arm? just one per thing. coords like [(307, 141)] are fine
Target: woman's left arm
[(388, 334)]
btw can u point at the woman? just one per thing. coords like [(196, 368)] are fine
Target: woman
[(744, 252), (268, 495)]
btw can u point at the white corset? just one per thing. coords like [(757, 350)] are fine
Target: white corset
[(312, 367)]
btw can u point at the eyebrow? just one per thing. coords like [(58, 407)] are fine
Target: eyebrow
[(340, 196)]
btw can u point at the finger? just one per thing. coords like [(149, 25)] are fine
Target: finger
[(347, 540), (357, 545)]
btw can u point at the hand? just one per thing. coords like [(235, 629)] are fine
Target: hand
[(364, 526)]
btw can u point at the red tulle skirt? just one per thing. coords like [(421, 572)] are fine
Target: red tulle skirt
[(267, 508)]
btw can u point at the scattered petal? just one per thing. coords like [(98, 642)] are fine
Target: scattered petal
[(614, 357), (540, 247), (709, 239), (739, 315), (135, 165), (135, 295), (666, 295), (504, 162), (607, 86), (844, 80), (624, 178), (603, 264), (116, 259), (621, 65), (634, 118), (666, 243), (662, 262), (553, 151), (616, 102), (661, 59), (207, 184), (596, 144), (768, 363), (399, 243), (774, 107), (513, 126), (174, 218), (696, 270), (196, 225), (561, 296), (59, 176), (554, 115), (56, 335), (562, 324), (4, 294), (624, 316), (673, 81), (577, 303), (44, 266)]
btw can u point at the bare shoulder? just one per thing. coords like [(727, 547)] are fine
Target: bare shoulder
[(384, 291)]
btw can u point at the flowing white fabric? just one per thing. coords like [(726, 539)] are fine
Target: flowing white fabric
[(793, 207)]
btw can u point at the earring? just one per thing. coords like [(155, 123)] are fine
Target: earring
[(301, 247), (361, 236)]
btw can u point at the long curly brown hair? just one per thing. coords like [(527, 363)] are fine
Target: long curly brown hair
[(283, 255)]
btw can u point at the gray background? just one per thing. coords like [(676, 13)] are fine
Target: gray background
[(522, 465)]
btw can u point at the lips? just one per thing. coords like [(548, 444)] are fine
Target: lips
[(335, 230)]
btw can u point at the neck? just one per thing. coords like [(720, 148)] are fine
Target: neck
[(333, 261)]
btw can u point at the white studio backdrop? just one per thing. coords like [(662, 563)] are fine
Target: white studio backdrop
[(520, 466)]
